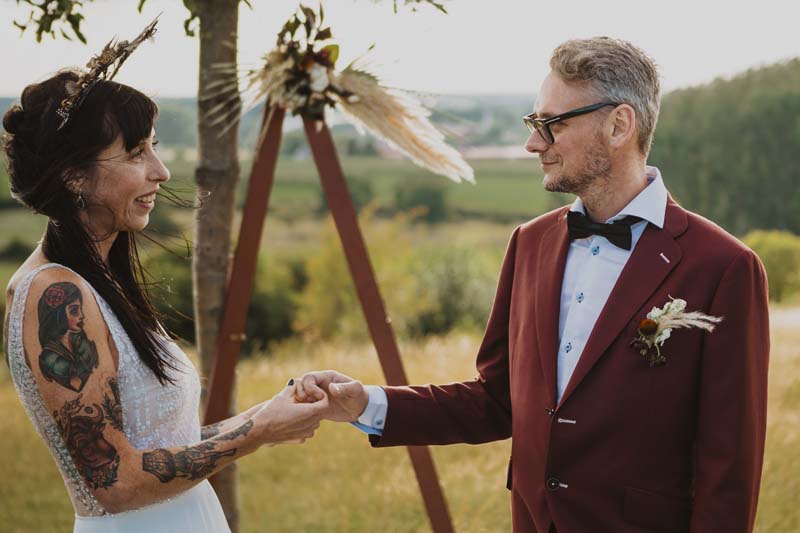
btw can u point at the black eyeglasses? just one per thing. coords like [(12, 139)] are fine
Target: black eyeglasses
[(542, 125)]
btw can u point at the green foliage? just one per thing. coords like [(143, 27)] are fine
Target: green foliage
[(329, 307), (460, 283), (177, 122), (47, 16), (361, 193), (427, 289), (428, 194), (272, 307), (780, 253), (15, 251), (5, 183), (729, 149)]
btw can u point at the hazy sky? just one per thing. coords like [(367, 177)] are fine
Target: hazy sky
[(482, 46)]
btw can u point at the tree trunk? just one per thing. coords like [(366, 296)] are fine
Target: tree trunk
[(216, 176)]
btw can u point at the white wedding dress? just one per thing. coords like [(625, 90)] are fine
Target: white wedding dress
[(154, 416)]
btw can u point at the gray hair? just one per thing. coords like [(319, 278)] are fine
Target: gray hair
[(615, 70)]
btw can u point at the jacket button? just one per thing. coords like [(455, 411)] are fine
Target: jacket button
[(552, 483)]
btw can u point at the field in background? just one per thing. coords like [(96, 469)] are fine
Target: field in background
[(336, 482)]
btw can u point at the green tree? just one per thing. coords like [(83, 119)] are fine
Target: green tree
[(729, 149), (780, 253)]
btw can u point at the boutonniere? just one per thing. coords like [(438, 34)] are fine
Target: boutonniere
[(657, 328)]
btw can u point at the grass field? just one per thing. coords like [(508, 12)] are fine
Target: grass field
[(336, 482)]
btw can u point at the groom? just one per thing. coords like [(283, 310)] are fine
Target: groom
[(607, 436)]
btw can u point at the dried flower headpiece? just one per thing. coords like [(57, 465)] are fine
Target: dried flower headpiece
[(103, 66), (299, 75)]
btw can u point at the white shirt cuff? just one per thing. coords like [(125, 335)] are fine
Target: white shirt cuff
[(375, 413)]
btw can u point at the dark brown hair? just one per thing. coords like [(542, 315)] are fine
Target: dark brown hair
[(41, 163)]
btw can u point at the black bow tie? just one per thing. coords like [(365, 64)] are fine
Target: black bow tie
[(618, 232)]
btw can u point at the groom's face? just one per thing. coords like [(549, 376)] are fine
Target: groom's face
[(579, 154)]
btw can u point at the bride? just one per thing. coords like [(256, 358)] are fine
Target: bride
[(113, 397)]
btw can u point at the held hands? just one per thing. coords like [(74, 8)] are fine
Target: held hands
[(283, 420), (343, 399)]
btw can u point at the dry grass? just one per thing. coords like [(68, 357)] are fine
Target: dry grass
[(336, 482)]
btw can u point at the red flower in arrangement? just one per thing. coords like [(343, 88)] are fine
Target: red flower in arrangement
[(54, 296), (648, 326)]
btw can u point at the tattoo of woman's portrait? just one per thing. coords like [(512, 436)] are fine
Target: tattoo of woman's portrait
[(68, 356)]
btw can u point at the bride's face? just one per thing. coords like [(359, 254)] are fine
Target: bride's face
[(121, 193)]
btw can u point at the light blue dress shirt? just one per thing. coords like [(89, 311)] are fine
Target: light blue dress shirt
[(592, 269)]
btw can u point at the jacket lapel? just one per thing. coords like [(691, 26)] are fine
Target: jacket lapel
[(655, 256), (551, 260)]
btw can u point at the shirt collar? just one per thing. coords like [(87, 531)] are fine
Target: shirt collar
[(649, 205)]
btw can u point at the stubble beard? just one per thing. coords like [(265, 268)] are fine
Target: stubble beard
[(595, 172)]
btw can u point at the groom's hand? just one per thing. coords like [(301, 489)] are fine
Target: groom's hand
[(347, 397)]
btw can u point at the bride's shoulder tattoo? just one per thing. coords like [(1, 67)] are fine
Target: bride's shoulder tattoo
[(68, 356)]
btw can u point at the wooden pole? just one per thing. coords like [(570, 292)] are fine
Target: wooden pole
[(240, 285), (240, 288), (378, 322)]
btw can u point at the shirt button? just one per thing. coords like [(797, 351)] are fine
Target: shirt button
[(568, 347), (552, 483), (595, 250), (580, 297), (379, 421)]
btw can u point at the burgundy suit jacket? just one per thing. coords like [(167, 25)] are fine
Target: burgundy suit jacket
[(629, 448)]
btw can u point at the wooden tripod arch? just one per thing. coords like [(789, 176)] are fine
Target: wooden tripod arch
[(240, 287)]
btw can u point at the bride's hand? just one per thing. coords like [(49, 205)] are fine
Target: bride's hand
[(282, 420)]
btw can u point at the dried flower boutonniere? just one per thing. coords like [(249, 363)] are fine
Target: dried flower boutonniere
[(657, 328)]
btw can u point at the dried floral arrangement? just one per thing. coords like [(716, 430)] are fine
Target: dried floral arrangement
[(300, 75), (657, 328)]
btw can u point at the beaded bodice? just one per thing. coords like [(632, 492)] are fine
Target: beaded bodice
[(154, 415)]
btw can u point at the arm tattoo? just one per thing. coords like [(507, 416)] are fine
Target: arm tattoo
[(68, 356), (111, 406), (82, 428), (206, 432), (194, 462), (242, 430)]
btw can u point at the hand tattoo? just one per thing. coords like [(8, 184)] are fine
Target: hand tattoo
[(244, 429), (194, 462), (211, 430), (82, 428), (68, 356)]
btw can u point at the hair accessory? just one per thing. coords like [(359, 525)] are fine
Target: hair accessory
[(103, 66)]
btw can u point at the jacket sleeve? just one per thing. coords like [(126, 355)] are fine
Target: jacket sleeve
[(732, 406), (473, 411)]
